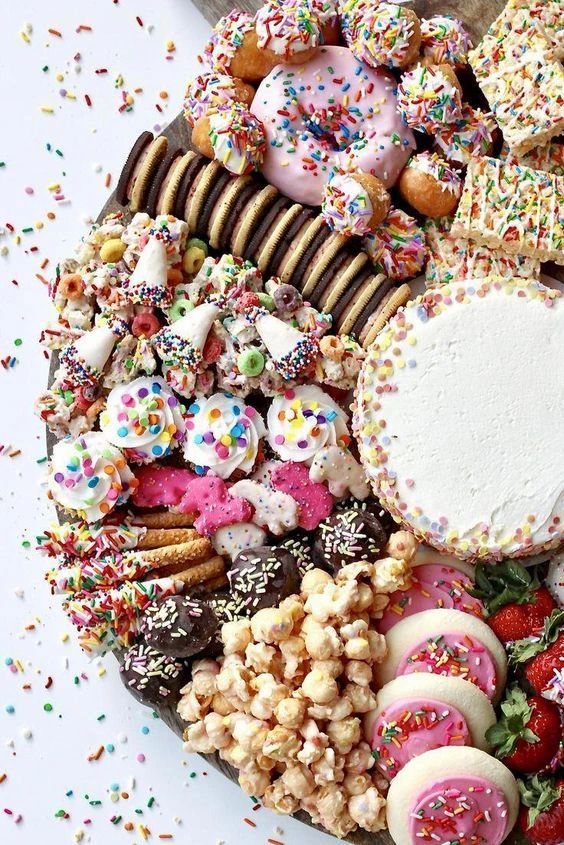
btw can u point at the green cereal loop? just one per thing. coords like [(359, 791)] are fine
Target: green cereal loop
[(250, 362)]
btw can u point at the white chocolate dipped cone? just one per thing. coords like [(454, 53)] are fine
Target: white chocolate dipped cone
[(84, 360), (148, 283), (292, 351), (182, 343)]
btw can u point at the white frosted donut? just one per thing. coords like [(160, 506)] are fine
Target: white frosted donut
[(442, 772), (398, 702), (445, 642)]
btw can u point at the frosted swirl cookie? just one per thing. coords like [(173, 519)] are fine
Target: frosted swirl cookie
[(459, 415)]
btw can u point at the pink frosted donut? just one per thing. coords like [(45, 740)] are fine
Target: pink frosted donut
[(332, 110)]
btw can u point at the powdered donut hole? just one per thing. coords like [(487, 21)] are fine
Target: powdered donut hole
[(379, 197), (430, 185), (250, 62)]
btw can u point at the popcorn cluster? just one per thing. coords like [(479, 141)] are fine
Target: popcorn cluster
[(285, 702)]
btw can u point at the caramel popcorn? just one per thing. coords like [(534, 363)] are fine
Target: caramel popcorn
[(284, 704)]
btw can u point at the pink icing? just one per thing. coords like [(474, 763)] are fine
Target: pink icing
[(453, 654), (434, 586), (410, 727), (462, 809), (209, 497), (312, 114), (313, 497), (161, 486)]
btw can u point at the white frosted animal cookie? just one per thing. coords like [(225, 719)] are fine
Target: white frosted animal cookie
[(462, 790), (229, 540), (341, 471), (274, 509), (445, 642), (416, 713), (555, 579), (262, 474)]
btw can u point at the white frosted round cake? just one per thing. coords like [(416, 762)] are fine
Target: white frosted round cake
[(459, 418)]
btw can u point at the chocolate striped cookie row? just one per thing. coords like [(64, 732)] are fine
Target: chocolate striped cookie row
[(245, 216)]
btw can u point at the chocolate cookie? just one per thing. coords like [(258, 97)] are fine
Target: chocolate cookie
[(262, 577), (179, 626), (298, 543), (152, 677), (348, 536)]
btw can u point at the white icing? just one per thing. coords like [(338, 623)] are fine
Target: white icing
[(295, 430), (472, 411), (143, 417), (223, 435)]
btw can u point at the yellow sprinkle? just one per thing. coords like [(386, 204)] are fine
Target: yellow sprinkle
[(25, 37), (47, 109), (59, 77), (64, 638), (54, 186), (39, 224)]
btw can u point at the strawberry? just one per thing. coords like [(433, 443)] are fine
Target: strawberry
[(542, 815), (515, 603), (527, 736), (542, 656)]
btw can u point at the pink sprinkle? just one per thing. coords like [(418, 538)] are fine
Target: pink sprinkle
[(29, 191), (140, 758)]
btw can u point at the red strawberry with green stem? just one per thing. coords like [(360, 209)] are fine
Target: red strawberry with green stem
[(542, 815), (527, 735), (542, 657), (516, 604)]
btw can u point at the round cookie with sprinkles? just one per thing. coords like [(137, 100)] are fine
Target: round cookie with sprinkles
[(381, 33), (151, 677), (397, 246), (223, 435), (347, 537), (430, 185), (471, 136), (212, 88), (232, 135), (263, 577), (456, 351), (444, 39), (429, 98), (354, 203), (144, 419), (179, 626)]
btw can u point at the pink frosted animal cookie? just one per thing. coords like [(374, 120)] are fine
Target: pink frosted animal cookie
[(209, 497), (161, 486), (314, 499)]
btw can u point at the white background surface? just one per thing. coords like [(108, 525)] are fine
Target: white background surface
[(44, 754)]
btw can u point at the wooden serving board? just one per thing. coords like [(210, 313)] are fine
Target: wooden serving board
[(477, 15)]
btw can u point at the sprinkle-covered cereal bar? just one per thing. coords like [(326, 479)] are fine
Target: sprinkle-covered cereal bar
[(550, 14), (454, 259), (549, 158), (521, 77), (514, 208)]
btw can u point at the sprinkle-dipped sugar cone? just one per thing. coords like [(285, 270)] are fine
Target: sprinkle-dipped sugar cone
[(84, 360), (182, 343), (292, 351), (148, 283)]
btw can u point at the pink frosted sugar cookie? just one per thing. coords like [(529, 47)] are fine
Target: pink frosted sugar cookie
[(449, 643), (435, 584), (314, 499), (452, 795), (161, 486), (417, 713), (322, 113)]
